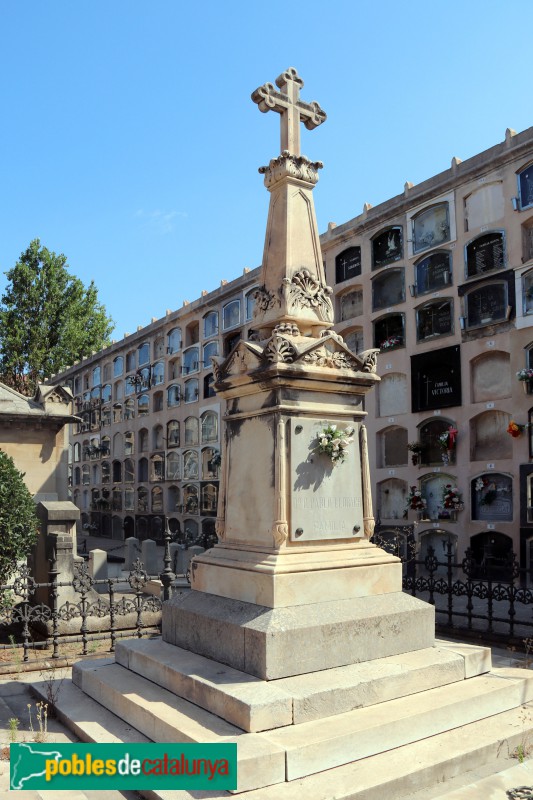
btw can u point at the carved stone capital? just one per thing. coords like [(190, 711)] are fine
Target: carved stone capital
[(279, 349), (280, 532), (288, 165)]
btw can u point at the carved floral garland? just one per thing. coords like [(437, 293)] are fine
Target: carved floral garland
[(334, 442)]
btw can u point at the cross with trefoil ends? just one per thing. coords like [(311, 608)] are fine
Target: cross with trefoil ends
[(293, 110)]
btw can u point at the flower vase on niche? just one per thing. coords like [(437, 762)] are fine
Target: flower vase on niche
[(525, 376), (415, 448), (447, 441)]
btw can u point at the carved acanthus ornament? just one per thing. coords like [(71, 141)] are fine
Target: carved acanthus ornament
[(291, 166), (338, 338), (218, 371), (370, 360), (304, 291), (279, 349), (264, 300), (322, 357)]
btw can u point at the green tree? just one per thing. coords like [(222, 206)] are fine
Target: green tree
[(19, 525), (48, 319)]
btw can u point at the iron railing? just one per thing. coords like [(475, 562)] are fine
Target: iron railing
[(492, 599), (122, 609)]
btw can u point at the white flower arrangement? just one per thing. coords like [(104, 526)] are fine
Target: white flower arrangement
[(525, 374), (480, 485), (334, 442)]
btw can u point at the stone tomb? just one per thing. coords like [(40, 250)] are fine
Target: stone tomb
[(296, 640)]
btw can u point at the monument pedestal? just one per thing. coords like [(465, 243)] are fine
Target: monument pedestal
[(297, 577), (274, 643)]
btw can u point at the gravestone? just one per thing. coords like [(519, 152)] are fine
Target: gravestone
[(150, 557), (132, 551), (98, 568)]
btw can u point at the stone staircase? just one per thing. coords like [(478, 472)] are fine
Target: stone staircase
[(388, 728)]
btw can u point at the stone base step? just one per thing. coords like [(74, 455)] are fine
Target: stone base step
[(273, 643), (256, 705), (323, 744), (294, 751), (493, 786), (418, 767)]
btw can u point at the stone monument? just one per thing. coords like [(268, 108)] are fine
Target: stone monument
[(293, 522), (296, 640)]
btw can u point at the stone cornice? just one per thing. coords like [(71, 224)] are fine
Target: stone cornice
[(518, 146)]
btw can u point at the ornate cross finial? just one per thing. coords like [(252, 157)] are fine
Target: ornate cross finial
[(293, 110)]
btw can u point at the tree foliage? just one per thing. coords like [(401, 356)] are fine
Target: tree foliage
[(48, 319), (19, 525)]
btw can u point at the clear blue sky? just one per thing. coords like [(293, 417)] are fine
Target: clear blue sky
[(129, 141)]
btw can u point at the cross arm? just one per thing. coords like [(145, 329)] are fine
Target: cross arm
[(288, 105), (269, 99)]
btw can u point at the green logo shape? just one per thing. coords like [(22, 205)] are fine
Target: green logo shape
[(123, 766)]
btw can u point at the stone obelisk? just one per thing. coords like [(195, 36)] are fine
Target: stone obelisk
[(294, 584)]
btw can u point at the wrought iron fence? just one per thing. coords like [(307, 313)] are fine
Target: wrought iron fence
[(492, 599), (122, 608)]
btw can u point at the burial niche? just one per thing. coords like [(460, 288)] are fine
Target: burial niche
[(351, 304), (388, 288), (492, 497), (392, 394), (391, 498), (489, 436), (389, 332), (434, 272), (387, 247), (436, 379), (429, 433), (484, 206), (485, 254), (525, 186), (433, 319), (392, 447), (431, 227), (491, 377), (348, 264)]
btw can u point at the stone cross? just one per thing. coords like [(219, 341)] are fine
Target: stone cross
[(287, 103)]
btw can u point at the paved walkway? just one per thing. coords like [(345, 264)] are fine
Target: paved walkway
[(16, 703)]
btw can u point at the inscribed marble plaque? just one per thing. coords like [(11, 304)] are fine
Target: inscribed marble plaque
[(326, 498)]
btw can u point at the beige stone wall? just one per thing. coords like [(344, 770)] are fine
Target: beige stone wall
[(38, 451)]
